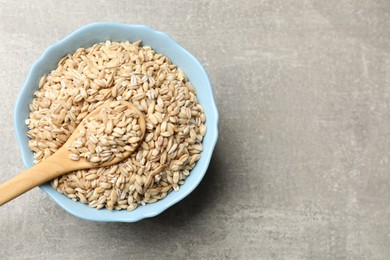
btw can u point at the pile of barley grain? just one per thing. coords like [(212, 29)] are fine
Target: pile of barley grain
[(113, 132), (120, 71)]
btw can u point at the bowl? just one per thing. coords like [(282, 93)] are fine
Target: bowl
[(160, 42)]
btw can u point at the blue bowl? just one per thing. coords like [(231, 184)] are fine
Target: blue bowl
[(162, 43)]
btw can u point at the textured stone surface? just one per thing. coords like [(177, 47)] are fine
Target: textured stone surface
[(301, 169)]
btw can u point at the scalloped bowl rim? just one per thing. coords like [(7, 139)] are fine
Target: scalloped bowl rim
[(150, 210)]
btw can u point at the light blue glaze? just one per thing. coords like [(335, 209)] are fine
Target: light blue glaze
[(162, 43)]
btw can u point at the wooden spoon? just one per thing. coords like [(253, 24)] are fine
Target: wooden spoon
[(59, 163)]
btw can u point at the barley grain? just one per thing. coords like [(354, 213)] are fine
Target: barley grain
[(111, 71)]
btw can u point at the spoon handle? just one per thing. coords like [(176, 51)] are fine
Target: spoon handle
[(28, 179)]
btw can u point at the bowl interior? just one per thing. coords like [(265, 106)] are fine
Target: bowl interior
[(160, 42)]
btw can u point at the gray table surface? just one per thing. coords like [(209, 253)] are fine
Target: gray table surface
[(301, 168)]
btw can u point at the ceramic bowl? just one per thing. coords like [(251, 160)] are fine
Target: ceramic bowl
[(161, 43)]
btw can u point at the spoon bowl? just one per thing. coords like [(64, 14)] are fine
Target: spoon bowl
[(82, 163)]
